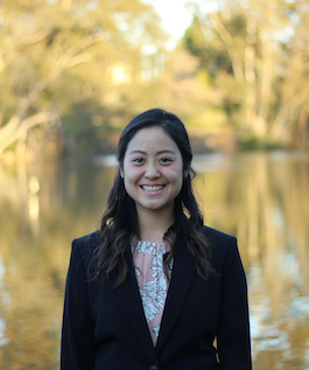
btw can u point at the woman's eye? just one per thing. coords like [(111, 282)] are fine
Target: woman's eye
[(138, 160), (165, 160)]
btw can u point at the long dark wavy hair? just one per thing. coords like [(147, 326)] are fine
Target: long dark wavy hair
[(119, 223)]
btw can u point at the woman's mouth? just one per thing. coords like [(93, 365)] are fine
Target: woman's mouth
[(152, 188)]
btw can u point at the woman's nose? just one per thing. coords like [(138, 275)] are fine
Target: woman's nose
[(152, 171)]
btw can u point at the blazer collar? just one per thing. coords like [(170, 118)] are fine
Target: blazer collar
[(183, 272), (132, 303)]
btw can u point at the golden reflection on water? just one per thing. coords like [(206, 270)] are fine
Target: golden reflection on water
[(263, 199)]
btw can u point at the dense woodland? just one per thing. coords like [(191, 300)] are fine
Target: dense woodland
[(74, 72)]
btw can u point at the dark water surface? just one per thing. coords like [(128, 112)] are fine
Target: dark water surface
[(263, 199)]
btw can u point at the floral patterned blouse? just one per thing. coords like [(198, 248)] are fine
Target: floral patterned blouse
[(152, 282)]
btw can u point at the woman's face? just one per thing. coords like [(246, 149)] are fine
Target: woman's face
[(153, 170)]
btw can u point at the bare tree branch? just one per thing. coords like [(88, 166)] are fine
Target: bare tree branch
[(283, 115), (229, 46), (25, 125)]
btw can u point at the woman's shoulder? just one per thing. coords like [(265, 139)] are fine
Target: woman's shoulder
[(87, 244), (217, 237), (223, 246)]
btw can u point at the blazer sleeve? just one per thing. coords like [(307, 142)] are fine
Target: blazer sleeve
[(233, 336), (77, 342)]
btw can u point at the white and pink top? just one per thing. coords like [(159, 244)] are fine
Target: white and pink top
[(152, 282)]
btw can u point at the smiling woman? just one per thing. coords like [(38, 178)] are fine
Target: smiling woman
[(153, 173), (154, 288)]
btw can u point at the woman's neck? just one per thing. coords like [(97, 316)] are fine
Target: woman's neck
[(153, 225)]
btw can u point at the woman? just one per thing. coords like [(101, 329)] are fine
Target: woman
[(154, 288)]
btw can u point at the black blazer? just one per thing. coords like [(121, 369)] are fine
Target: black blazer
[(106, 329)]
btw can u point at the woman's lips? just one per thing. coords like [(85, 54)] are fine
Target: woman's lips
[(152, 187)]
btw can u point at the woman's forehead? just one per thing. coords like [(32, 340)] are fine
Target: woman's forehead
[(152, 139)]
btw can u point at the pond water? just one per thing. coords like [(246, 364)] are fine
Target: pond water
[(261, 198)]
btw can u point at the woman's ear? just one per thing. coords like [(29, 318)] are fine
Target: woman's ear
[(185, 173), (121, 173)]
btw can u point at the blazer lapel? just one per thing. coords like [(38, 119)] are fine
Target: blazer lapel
[(132, 303), (183, 272)]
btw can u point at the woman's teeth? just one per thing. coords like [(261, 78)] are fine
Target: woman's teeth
[(152, 188)]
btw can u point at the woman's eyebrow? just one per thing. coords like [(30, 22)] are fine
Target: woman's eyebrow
[(133, 151), (167, 151)]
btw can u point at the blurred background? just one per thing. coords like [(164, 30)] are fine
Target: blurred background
[(72, 75)]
